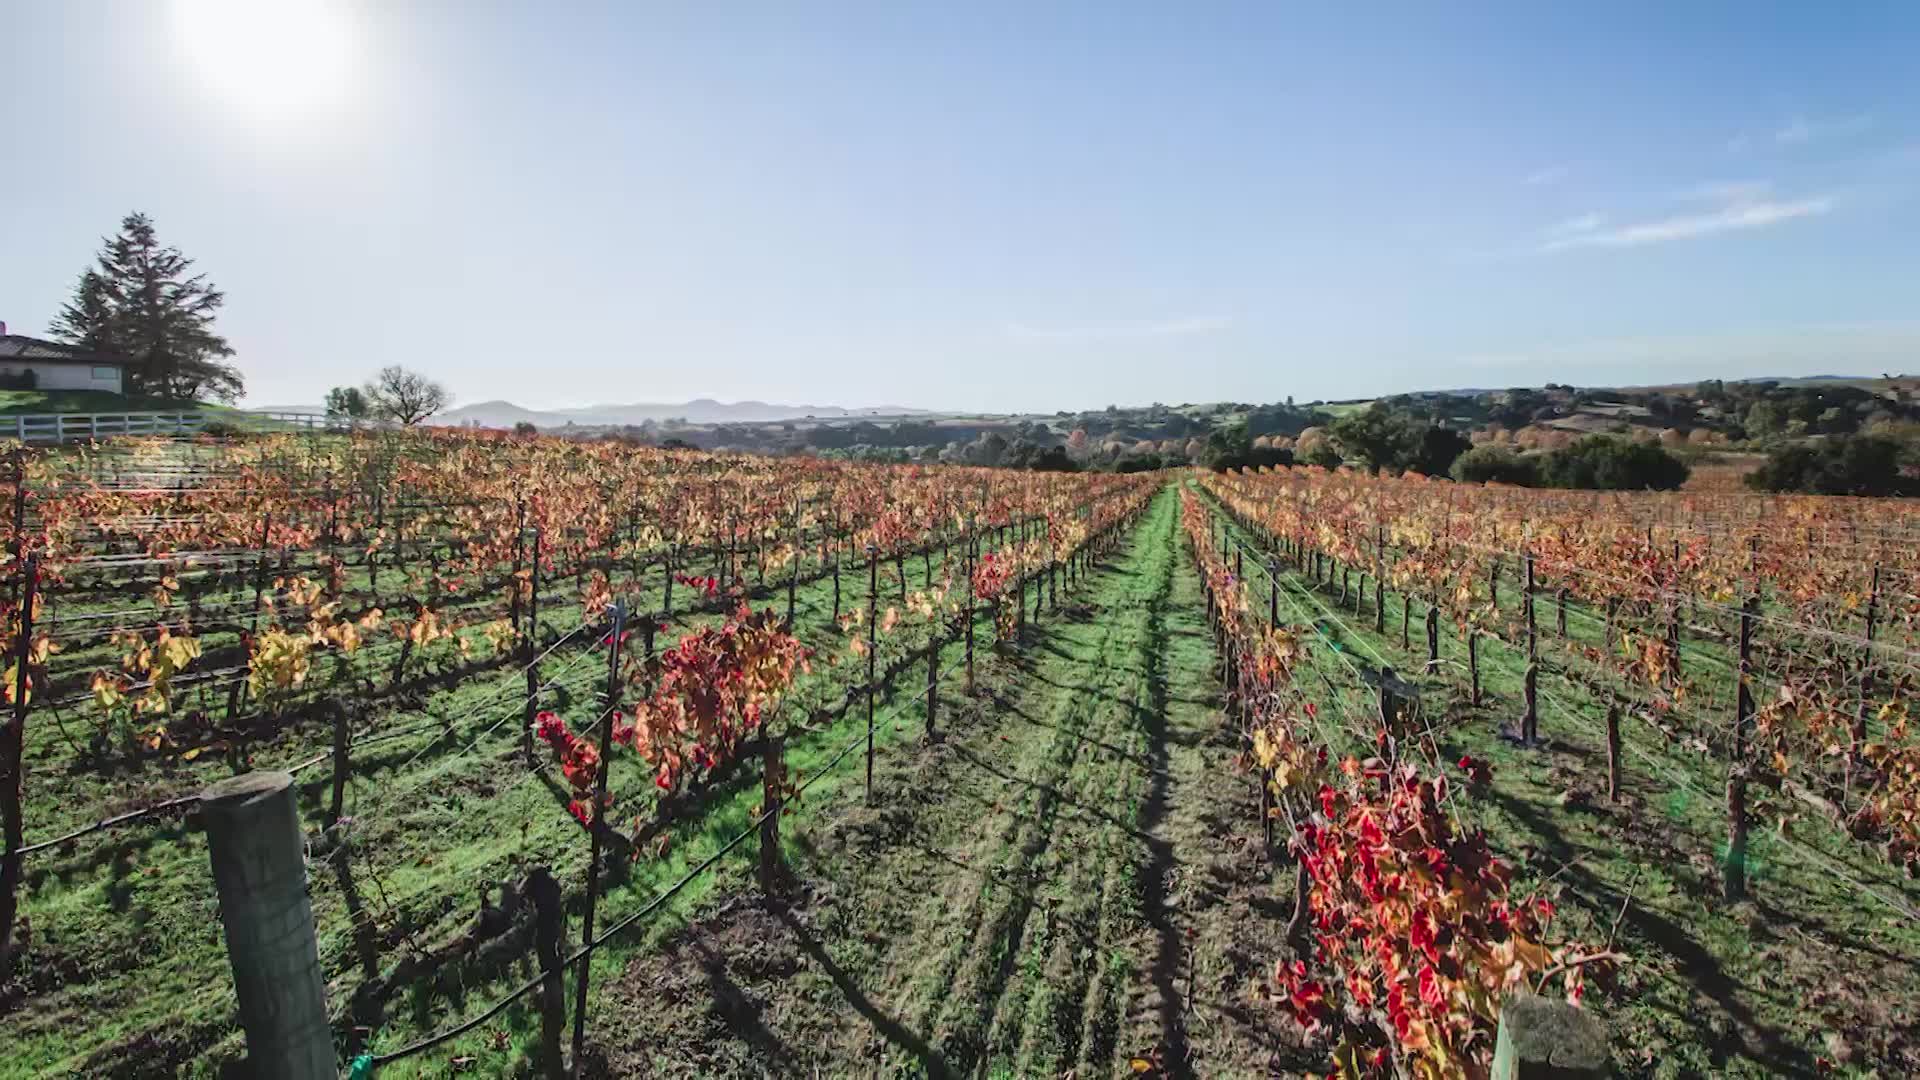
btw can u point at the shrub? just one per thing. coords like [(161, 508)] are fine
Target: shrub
[(1134, 463), (1494, 464), (1841, 465), (1613, 464)]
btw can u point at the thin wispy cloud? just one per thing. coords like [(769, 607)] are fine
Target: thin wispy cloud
[(1745, 206), (1800, 129), (1576, 226), (1552, 174), (1727, 191), (1202, 324)]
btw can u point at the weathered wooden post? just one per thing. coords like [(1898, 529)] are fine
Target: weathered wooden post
[(549, 931), (260, 874), (1379, 585), (1473, 663), (1613, 748), (12, 763), (599, 827), (1273, 594), (1433, 637), (1735, 870), (1530, 718), (933, 684), (966, 566), (1544, 1039), (531, 649), (1743, 690), (773, 773), (873, 652), (342, 740)]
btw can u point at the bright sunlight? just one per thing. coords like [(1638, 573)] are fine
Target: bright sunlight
[(268, 58)]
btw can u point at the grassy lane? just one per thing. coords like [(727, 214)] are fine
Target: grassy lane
[(1030, 896)]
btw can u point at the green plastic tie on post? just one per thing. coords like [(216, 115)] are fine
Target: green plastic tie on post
[(362, 1068)]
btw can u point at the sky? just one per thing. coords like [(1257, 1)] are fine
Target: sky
[(984, 206)]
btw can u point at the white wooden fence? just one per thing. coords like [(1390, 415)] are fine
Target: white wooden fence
[(81, 427)]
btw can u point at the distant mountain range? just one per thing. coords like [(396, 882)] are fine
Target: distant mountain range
[(505, 414)]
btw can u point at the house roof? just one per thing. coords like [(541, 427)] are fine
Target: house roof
[(21, 347)]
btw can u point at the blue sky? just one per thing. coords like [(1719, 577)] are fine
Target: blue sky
[(985, 206)]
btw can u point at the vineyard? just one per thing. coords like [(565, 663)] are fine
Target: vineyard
[(637, 762)]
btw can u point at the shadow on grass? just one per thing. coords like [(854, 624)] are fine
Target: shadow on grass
[(891, 1029)]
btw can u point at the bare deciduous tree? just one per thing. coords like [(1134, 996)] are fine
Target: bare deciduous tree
[(406, 396)]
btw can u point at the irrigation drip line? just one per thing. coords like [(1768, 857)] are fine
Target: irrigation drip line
[(146, 811)]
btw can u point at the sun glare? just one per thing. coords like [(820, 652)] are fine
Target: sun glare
[(268, 56)]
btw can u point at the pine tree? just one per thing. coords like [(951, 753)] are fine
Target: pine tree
[(141, 302)]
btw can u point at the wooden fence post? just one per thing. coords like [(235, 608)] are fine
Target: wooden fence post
[(532, 653), (598, 827), (1543, 1039), (1530, 687), (773, 774), (549, 931), (1736, 864), (1743, 690), (873, 652), (1613, 748), (933, 684), (12, 764), (966, 565), (342, 738), (1273, 594), (1433, 637), (1473, 663), (259, 866)]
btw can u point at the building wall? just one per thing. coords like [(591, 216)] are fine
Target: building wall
[(52, 376)]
